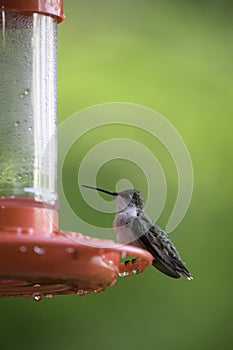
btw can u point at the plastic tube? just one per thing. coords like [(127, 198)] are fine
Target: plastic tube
[(28, 151)]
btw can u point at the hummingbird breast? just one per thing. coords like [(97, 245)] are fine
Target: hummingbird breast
[(123, 225)]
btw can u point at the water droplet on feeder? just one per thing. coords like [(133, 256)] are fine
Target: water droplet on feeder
[(81, 292), (37, 297), (49, 296), (23, 249), (70, 250), (100, 289), (124, 274), (38, 250), (24, 93)]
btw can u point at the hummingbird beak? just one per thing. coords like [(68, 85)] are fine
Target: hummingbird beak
[(115, 194)]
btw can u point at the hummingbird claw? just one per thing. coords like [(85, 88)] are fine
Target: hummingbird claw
[(133, 261), (127, 262)]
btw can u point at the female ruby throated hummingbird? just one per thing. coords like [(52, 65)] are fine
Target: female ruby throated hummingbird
[(134, 227)]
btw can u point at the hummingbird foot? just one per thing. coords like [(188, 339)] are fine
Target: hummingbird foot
[(132, 261), (133, 265)]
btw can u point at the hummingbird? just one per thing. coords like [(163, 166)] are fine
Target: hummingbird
[(134, 227)]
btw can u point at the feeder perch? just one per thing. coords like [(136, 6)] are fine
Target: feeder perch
[(36, 258)]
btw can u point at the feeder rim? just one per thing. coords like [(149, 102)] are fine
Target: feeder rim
[(47, 7)]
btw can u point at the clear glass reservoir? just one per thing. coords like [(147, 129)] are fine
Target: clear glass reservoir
[(28, 142)]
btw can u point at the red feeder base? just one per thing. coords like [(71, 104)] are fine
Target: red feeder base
[(37, 260)]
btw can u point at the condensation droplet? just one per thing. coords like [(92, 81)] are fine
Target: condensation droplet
[(38, 250), (37, 297), (70, 250), (80, 292), (23, 249), (98, 290), (124, 274), (49, 296), (24, 93)]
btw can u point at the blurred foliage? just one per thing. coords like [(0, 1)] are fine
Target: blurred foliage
[(175, 57)]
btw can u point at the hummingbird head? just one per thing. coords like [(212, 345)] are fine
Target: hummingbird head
[(130, 198), (127, 198)]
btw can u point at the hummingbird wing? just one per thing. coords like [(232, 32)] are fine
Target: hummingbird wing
[(156, 241)]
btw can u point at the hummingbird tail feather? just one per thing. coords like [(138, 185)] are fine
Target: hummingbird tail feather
[(186, 274), (165, 269), (166, 258), (183, 270)]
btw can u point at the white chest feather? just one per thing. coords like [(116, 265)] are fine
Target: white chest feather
[(123, 223)]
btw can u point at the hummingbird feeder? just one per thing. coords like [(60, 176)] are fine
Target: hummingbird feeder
[(36, 258)]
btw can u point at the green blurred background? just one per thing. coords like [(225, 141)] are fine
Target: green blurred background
[(175, 57)]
